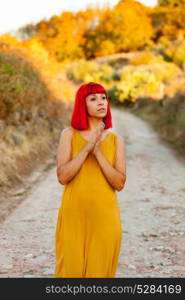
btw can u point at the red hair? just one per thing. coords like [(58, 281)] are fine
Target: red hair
[(79, 118)]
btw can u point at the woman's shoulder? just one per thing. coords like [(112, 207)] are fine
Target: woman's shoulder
[(115, 133), (118, 137), (69, 130), (66, 132)]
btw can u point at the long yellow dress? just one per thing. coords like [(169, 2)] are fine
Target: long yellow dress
[(88, 230)]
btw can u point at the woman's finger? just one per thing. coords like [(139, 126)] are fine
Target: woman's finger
[(102, 125)]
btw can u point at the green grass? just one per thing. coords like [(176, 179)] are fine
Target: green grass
[(167, 116)]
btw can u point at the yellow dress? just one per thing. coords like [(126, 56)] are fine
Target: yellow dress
[(88, 230)]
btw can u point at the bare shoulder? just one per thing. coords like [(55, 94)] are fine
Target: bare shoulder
[(66, 132), (119, 138)]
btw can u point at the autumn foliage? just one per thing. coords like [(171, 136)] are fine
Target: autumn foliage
[(134, 50), (61, 49)]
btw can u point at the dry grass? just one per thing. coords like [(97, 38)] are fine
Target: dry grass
[(31, 119), (167, 116)]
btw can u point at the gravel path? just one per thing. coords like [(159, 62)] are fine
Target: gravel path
[(152, 208)]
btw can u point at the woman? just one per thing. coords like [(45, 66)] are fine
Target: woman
[(91, 165)]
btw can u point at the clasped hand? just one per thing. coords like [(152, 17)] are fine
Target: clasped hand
[(93, 145)]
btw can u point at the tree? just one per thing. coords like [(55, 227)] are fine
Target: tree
[(168, 21), (175, 3), (127, 26), (27, 31)]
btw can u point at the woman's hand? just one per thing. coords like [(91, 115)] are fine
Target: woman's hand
[(98, 138), (92, 146), (96, 147)]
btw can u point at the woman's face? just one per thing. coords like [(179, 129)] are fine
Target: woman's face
[(96, 102)]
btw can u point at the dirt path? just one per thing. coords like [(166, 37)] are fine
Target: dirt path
[(152, 211)]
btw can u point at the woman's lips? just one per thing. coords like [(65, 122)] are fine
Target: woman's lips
[(101, 109)]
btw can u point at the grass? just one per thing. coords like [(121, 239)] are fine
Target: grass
[(30, 120), (167, 116)]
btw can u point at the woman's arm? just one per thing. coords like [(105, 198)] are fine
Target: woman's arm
[(67, 168), (115, 176)]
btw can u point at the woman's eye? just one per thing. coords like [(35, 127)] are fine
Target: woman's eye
[(95, 98)]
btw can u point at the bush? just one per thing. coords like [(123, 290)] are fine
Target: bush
[(179, 54), (83, 71)]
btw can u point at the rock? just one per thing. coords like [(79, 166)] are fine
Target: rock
[(28, 276), (176, 233), (30, 255), (17, 139), (131, 266), (48, 272), (8, 266)]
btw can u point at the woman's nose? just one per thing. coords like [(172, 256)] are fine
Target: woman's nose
[(100, 101)]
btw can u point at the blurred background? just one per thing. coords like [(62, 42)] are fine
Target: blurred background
[(135, 49)]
